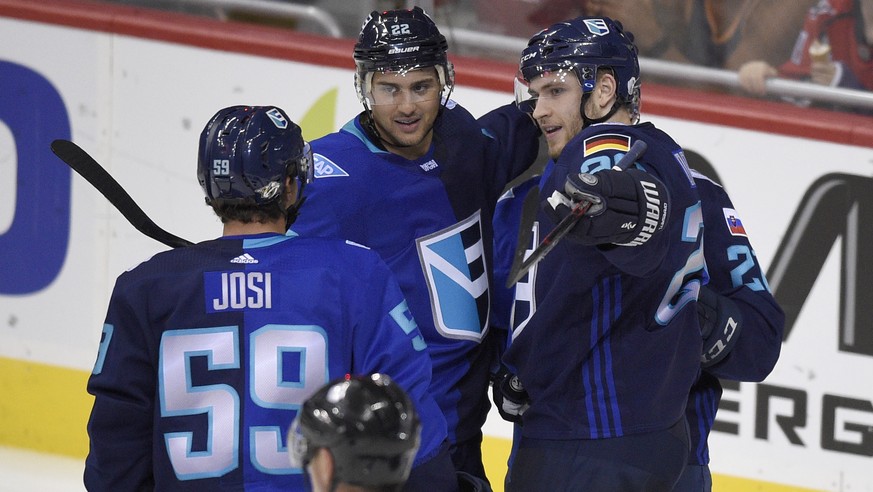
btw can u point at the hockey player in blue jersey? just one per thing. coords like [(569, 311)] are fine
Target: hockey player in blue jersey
[(416, 177), (208, 351), (741, 324), (604, 330)]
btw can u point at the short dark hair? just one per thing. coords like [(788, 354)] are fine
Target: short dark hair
[(248, 213)]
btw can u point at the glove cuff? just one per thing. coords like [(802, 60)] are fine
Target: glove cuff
[(653, 197)]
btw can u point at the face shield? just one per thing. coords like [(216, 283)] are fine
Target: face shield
[(303, 165), (411, 84), (552, 85)]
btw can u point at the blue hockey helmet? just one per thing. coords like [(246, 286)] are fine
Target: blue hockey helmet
[(400, 41), (247, 151), (582, 45), (369, 425)]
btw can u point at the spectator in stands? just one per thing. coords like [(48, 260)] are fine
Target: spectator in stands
[(650, 20), (835, 48), (713, 33)]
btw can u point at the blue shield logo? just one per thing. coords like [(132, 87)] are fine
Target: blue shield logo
[(453, 261), (276, 116), (597, 27)]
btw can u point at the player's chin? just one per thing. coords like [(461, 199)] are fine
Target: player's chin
[(555, 149), (409, 138)]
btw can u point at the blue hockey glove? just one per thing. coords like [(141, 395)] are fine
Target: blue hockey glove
[(628, 207), (720, 324), (509, 395)]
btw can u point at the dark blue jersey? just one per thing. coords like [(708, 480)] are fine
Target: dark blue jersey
[(430, 220), (506, 222), (208, 352), (605, 339), (734, 271)]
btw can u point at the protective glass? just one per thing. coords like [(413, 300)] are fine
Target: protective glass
[(552, 85), (305, 169), (409, 86)]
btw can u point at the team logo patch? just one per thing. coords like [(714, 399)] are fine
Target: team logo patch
[(429, 165), (597, 27), (325, 168), (606, 141), (453, 262), (277, 118), (735, 225)]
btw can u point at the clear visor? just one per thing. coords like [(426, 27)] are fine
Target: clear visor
[(550, 85), (305, 169), (524, 98), (408, 86)]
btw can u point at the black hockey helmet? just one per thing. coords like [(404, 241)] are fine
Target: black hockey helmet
[(400, 41), (247, 151), (582, 45), (369, 425)]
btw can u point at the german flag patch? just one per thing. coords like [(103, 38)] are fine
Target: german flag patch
[(607, 141)]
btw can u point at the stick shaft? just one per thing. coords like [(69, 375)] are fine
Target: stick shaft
[(81, 162), (563, 227)]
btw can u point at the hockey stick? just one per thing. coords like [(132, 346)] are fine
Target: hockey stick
[(88, 168), (521, 265)]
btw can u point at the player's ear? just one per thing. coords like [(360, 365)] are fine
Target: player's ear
[(607, 85), (290, 191), (603, 96), (321, 470)]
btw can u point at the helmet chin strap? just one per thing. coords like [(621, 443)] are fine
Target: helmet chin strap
[(293, 210), (586, 121), (369, 122), (373, 132)]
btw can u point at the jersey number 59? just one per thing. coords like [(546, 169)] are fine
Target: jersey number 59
[(220, 403)]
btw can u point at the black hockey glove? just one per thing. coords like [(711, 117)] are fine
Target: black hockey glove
[(628, 207), (720, 325), (509, 395), (471, 483)]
